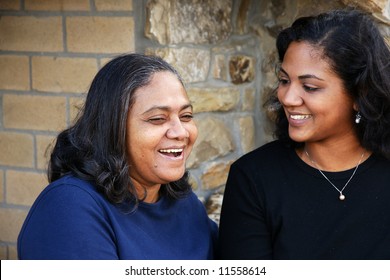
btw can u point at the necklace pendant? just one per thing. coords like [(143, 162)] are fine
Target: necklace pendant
[(341, 197)]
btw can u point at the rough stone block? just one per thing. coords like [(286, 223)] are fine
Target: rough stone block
[(100, 34), (16, 149), (247, 133), (14, 72), (34, 112), (242, 16), (62, 74), (248, 102), (214, 205), (200, 22), (241, 69), (192, 64), (214, 140), (220, 68), (380, 8), (32, 34), (213, 99), (215, 175)]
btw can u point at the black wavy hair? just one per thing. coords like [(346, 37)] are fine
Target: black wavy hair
[(94, 148), (351, 42)]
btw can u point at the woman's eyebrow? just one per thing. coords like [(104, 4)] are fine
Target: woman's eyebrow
[(302, 77), (309, 76), (167, 108)]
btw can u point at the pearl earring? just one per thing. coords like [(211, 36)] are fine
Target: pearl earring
[(358, 118)]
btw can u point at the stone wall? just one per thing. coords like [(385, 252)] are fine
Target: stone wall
[(224, 49)]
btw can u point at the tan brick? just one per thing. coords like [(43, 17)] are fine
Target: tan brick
[(8, 252), (12, 252), (105, 60), (57, 5), (45, 145), (100, 34), (10, 5), (1, 186), (114, 5), (11, 223), (76, 105), (3, 252), (14, 72), (59, 74), (27, 33), (24, 187), (16, 149), (34, 112)]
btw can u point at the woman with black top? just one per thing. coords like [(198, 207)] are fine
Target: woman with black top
[(322, 189)]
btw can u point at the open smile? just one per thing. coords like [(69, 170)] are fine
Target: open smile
[(172, 152), (300, 117)]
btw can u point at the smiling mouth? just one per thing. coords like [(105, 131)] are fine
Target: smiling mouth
[(172, 152), (300, 117)]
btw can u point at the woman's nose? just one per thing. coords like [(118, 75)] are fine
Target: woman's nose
[(290, 95), (177, 130)]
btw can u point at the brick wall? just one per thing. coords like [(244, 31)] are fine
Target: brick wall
[(49, 52)]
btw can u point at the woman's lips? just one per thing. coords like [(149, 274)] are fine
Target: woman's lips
[(298, 119), (172, 152)]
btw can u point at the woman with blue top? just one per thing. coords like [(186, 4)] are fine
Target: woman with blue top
[(118, 184)]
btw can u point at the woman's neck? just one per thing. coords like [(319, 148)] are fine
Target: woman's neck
[(331, 157), (149, 194)]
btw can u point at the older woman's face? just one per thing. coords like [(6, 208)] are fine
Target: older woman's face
[(160, 131)]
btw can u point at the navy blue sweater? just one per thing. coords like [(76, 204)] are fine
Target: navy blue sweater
[(71, 220)]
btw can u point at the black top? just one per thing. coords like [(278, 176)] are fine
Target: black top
[(278, 207)]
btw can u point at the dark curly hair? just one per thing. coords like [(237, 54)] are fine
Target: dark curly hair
[(351, 42), (94, 148)]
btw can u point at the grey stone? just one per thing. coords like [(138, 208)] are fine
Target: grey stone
[(200, 21), (192, 64), (213, 99), (214, 140)]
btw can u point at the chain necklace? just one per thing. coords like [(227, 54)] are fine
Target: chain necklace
[(342, 196)]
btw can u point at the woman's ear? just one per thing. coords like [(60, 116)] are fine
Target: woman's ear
[(355, 106)]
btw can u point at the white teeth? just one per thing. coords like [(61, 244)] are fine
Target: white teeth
[(172, 151), (300, 117)]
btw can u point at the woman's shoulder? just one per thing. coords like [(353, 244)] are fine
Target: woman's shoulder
[(192, 200), (264, 154), (68, 190)]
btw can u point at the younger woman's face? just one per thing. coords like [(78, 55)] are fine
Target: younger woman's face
[(317, 106), (160, 131)]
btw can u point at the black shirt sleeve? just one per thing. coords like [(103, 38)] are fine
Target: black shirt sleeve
[(243, 232)]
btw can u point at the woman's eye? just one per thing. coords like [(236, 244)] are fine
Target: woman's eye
[(157, 120), (283, 81), (186, 118), (309, 88)]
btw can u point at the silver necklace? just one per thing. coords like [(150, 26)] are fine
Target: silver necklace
[(342, 196)]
